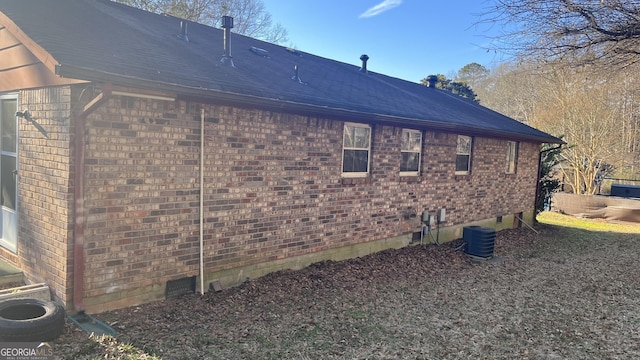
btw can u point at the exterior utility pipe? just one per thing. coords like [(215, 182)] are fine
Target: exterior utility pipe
[(202, 201)]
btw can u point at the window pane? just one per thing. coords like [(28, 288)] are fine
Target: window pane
[(462, 163), (8, 181), (9, 108), (348, 136), (411, 141), (511, 156), (464, 145), (355, 161), (361, 137), (405, 141), (410, 161), (415, 144)]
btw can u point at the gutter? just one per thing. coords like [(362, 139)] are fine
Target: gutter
[(222, 97), (79, 212)]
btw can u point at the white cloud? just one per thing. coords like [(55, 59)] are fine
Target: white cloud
[(380, 8)]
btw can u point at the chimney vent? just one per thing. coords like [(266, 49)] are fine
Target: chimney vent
[(364, 59), (432, 80), (227, 25), (183, 31)]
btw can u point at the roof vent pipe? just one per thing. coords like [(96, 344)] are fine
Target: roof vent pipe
[(296, 76), (432, 80), (364, 59), (183, 31), (227, 25)]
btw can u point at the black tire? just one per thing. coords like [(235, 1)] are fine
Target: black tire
[(26, 320)]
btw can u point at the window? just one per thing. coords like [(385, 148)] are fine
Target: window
[(411, 149), (463, 155), (512, 154), (356, 146), (8, 172)]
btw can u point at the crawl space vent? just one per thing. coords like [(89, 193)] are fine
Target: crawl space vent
[(179, 287)]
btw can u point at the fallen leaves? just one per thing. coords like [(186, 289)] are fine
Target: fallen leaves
[(558, 294)]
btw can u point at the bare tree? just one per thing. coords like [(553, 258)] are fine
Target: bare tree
[(580, 78), (511, 89), (584, 31), (596, 111), (591, 128), (626, 89), (251, 18)]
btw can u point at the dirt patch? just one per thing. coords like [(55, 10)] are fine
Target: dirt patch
[(550, 298)]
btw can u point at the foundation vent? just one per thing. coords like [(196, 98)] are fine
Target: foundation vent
[(179, 287)]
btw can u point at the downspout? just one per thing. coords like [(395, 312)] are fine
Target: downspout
[(78, 196), (202, 201)]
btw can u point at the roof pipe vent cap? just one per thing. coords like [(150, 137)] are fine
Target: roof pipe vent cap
[(364, 58), (432, 80), (296, 76), (183, 31), (227, 25)]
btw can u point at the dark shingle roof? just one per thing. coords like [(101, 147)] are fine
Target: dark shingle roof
[(99, 40)]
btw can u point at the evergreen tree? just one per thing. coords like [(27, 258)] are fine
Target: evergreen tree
[(454, 87)]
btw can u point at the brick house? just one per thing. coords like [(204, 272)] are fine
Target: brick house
[(138, 149)]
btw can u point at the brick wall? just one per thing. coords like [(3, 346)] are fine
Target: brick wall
[(44, 193), (273, 190)]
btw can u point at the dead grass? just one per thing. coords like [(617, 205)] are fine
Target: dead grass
[(567, 293), (554, 218)]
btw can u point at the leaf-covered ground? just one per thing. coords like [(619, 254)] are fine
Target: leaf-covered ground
[(564, 293)]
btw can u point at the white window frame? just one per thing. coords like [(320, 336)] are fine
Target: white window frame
[(512, 157), (412, 151), (9, 217), (463, 152), (345, 148)]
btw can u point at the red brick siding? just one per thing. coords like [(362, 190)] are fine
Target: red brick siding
[(44, 191), (141, 195), (273, 189)]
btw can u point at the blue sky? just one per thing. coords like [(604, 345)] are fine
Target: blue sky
[(408, 39)]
